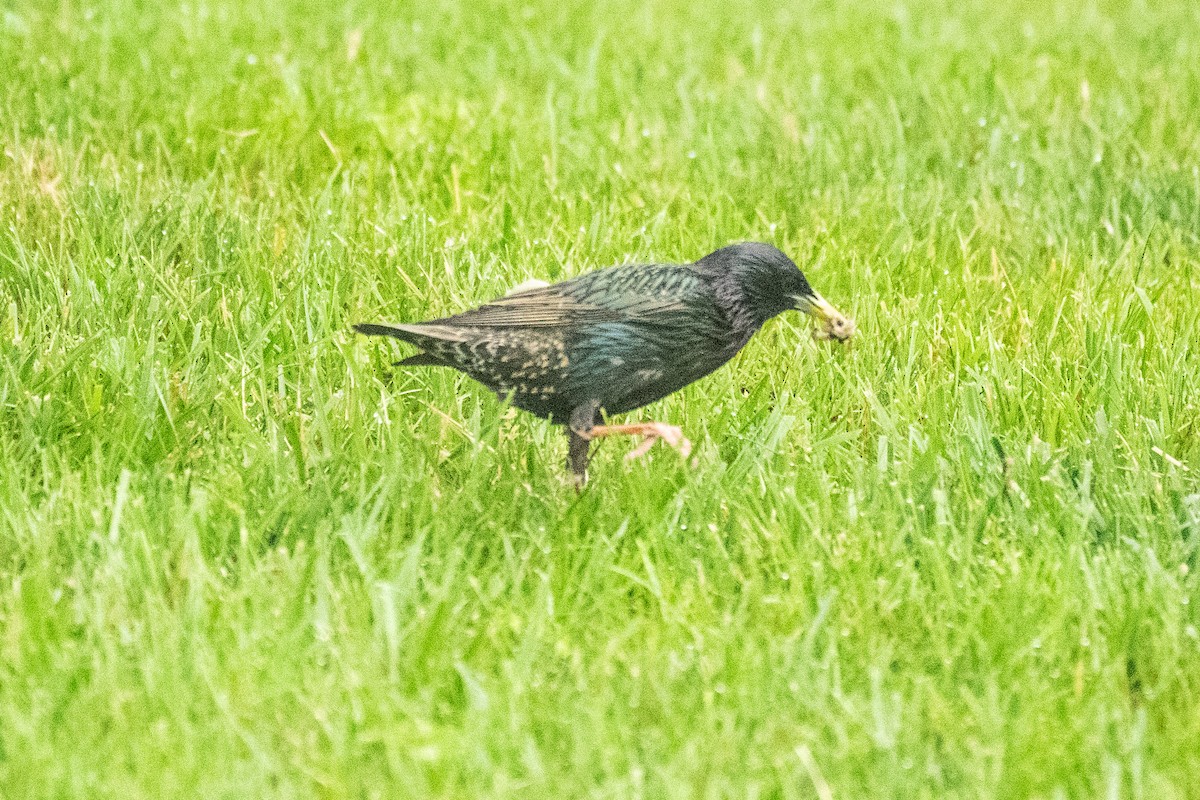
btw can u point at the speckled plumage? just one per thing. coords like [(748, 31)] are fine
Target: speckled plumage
[(615, 339)]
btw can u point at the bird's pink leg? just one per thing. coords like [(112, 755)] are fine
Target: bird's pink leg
[(653, 431)]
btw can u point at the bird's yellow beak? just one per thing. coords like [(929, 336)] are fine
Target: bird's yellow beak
[(831, 323)]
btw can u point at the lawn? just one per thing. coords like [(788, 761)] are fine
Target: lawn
[(243, 557)]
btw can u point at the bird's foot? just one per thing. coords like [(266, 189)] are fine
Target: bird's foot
[(652, 431)]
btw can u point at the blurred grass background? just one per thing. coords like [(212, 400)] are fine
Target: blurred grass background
[(239, 556)]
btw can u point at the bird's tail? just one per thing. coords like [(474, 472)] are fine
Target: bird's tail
[(404, 333), (413, 334), (420, 360)]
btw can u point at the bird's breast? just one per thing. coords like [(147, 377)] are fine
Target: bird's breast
[(625, 369)]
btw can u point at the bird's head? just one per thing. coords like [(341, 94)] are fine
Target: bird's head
[(761, 282)]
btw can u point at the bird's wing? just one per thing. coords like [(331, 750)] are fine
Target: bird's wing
[(534, 308), (576, 302)]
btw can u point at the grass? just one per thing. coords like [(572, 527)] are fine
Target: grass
[(242, 557)]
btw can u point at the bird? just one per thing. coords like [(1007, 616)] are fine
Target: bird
[(613, 340)]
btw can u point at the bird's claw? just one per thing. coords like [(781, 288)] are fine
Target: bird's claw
[(653, 431)]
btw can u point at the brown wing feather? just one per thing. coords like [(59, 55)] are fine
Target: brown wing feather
[(534, 308), (548, 306)]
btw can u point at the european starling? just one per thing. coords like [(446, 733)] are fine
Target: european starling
[(616, 339)]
